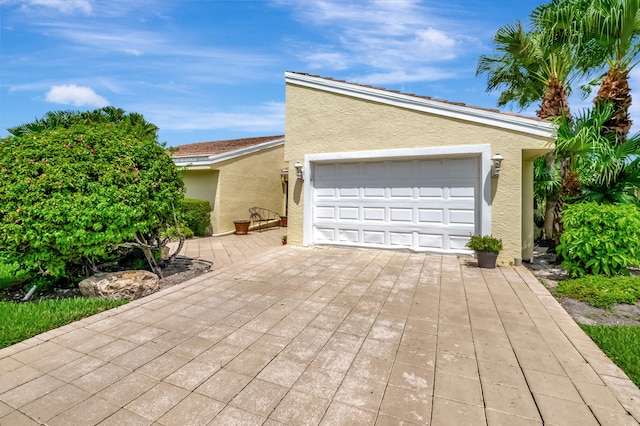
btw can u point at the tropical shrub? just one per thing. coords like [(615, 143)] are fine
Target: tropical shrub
[(196, 215), (600, 239), (78, 188)]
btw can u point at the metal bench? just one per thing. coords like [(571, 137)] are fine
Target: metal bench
[(262, 218)]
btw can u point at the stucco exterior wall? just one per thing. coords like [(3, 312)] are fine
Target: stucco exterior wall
[(252, 180), (319, 121), (203, 185)]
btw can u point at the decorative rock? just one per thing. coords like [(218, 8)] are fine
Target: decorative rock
[(128, 285)]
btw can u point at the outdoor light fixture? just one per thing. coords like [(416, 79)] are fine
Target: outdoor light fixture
[(496, 163), (299, 170)]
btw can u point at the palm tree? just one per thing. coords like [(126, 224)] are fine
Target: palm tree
[(108, 114), (615, 27), (600, 170), (529, 68), (533, 67)]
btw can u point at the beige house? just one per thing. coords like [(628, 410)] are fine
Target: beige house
[(391, 170), (235, 175)]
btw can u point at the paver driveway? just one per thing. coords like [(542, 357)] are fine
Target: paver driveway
[(323, 336)]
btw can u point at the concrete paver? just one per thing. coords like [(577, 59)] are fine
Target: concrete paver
[(290, 335)]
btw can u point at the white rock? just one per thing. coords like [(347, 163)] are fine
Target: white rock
[(129, 285)]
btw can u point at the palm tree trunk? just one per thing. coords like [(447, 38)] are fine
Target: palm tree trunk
[(554, 104), (549, 216), (615, 89)]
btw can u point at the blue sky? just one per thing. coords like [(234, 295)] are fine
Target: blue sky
[(205, 70)]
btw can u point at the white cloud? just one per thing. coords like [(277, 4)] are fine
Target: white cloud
[(71, 94), (387, 37), (327, 60), (267, 118), (64, 6)]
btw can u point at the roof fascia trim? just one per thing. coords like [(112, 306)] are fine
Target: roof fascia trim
[(482, 116), (229, 155)]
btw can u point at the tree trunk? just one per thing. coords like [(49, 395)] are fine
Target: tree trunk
[(549, 218), (550, 206), (555, 102), (615, 89)]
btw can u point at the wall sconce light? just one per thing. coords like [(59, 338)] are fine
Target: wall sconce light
[(299, 170), (496, 163)]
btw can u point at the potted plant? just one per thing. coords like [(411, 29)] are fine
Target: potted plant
[(242, 226), (284, 240), (487, 249)]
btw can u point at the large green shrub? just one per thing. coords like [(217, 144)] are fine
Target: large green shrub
[(196, 215), (600, 239), (74, 190)]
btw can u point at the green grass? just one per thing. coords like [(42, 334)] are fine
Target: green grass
[(20, 321), (601, 292), (620, 344)]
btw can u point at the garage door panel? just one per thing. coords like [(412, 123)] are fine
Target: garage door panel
[(400, 169), (373, 237), (348, 192), (348, 235), (401, 215), (401, 192), (430, 215), (458, 242), (431, 168), (403, 239), (323, 171), (324, 235), (325, 193), (376, 214), (462, 169), (430, 241), (462, 216), (325, 213), (348, 213), (461, 192), (417, 204), (349, 171), (373, 192), (431, 192), (373, 169)]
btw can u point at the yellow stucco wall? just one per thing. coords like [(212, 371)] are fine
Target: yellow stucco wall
[(319, 121), (235, 185), (252, 180)]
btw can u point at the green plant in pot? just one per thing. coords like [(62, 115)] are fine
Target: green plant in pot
[(487, 249)]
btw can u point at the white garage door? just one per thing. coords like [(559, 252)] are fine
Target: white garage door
[(422, 205)]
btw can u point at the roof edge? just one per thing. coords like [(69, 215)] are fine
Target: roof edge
[(209, 160), (533, 126)]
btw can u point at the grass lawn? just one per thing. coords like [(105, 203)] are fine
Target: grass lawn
[(21, 321), (621, 344), (601, 292)]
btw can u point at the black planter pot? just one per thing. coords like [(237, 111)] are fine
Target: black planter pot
[(486, 260)]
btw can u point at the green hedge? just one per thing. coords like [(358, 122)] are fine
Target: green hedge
[(600, 239), (196, 215)]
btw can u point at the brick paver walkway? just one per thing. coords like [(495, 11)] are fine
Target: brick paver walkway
[(323, 336)]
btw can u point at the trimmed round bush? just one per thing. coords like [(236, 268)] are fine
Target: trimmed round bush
[(75, 191)]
